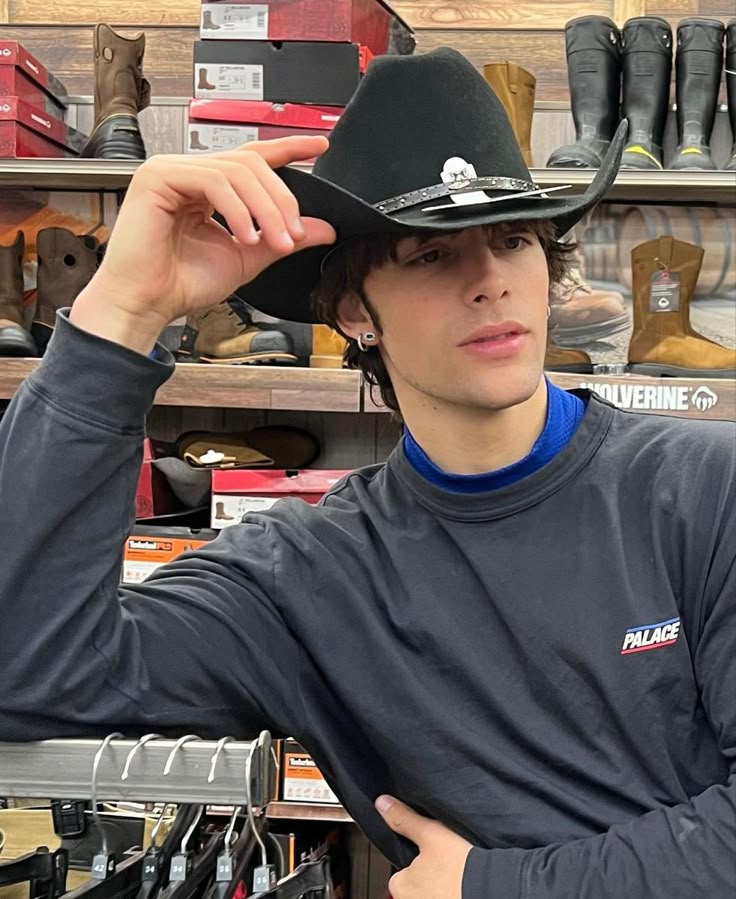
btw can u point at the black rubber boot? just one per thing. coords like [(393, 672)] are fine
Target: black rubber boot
[(731, 87), (593, 46), (647, 68), (697, 79)]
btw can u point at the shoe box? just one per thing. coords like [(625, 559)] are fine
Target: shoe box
[(150, 546), (290, 72), (216, 125), (22, 75), (371, 23), (26, 130), (301, 779), (235, 492)]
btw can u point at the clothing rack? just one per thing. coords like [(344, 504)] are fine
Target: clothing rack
[(62, 769)]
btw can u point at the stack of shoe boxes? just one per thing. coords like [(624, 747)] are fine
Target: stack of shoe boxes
[(282, 67), (32, 108)]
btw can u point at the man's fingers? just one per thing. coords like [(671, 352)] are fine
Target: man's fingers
[(284, 150), (256, 259), (404, 820)]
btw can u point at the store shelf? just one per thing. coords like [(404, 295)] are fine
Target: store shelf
[(684, 397), (307, 812), (633, 187), (67, 174), (242, 387)]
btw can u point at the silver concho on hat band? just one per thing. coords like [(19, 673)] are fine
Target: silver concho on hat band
[(464, 188)]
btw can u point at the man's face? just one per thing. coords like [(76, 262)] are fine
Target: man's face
[(464, 317)]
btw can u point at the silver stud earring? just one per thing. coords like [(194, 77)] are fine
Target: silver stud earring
[(368, 336)]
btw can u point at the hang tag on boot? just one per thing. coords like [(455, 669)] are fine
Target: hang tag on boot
[(664, 291)]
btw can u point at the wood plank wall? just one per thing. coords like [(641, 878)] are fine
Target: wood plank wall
[(530, 33)]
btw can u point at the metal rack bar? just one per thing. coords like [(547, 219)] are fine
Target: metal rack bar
[(63, 769)]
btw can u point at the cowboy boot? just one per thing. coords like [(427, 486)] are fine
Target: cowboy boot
[(203, 84), (219, 335), (697, 78), (121, 92), (579, 314), (731, 87), (647, 67), (207, 23), (66, 264), (221, 514), (559, 359), (195, 143), (663, 342), (15, 340), (593, 47), (515, 88)]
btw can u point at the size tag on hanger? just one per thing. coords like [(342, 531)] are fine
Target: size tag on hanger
[(103, 866), (151, 866), (181, 865), (224, 871), (664, 291), (264, 877)]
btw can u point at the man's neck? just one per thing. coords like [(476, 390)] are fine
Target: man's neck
[(471, 441)]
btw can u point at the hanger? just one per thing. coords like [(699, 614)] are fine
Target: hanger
[(45, 871), (311, 879)]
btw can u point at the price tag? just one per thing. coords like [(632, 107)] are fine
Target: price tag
[(664, 291)]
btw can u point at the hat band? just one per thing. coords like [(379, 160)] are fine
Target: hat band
[(466, 185)]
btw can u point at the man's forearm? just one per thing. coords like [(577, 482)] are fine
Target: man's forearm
[(681, 852)]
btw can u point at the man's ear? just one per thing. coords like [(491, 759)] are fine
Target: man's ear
[(352, 316)]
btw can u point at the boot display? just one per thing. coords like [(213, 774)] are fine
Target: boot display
[(66, 264), (559, 359), (195, 143), (663, 342), (328, 348), (593, 48), (15, 340), (697, 79), (731, 87), (121, 92), (647, 68), (515, 88), (218, 334)]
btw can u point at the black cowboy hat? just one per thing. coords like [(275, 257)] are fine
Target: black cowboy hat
[(423, 144)]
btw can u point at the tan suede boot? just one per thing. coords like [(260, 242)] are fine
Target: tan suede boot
[(515, 88), (328, 348), (121, 92), (219, 335), (558, 358), (664, 273), (15, 340), (66, 264)]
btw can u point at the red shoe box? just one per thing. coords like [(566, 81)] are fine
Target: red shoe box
[(235, 492), (217, 125), (22, 75), (293, 72), (153, 496), (28, 131), (366, 22)]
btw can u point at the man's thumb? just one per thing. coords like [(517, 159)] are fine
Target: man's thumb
[(402, 819), (261, 256)]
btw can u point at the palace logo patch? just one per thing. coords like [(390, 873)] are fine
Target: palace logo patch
[(651, 636)]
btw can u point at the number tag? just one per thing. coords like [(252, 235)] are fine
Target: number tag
[(180, 867), (103, 866)]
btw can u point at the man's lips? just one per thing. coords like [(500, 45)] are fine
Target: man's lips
[(495, 333)]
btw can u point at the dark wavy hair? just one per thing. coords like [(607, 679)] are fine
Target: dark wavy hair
[(349, 263)]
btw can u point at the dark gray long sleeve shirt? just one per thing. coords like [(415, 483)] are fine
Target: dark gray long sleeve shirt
[(549, 669)]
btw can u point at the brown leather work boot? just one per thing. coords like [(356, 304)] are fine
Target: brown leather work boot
[(664, 274), (579, 314), (515, 88), (328, 348), (66, 264), (558, 358), (121, 92), (218, 334), (15, 340)]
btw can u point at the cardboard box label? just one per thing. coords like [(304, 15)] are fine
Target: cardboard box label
[(230, 20), (303, 781), (236, 82), (228, 509), (206, 138), (143, 555)]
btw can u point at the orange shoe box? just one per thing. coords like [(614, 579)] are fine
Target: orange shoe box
[(150, 547)]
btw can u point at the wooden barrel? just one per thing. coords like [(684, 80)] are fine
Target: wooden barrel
[(599, 246), (711, 229)]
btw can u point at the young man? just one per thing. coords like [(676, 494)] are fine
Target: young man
[(463, 628)]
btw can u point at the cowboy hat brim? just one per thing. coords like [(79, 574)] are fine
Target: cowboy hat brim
[(284, 289)]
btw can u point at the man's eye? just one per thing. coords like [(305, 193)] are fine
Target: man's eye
[(426, 258), (515, 242)]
